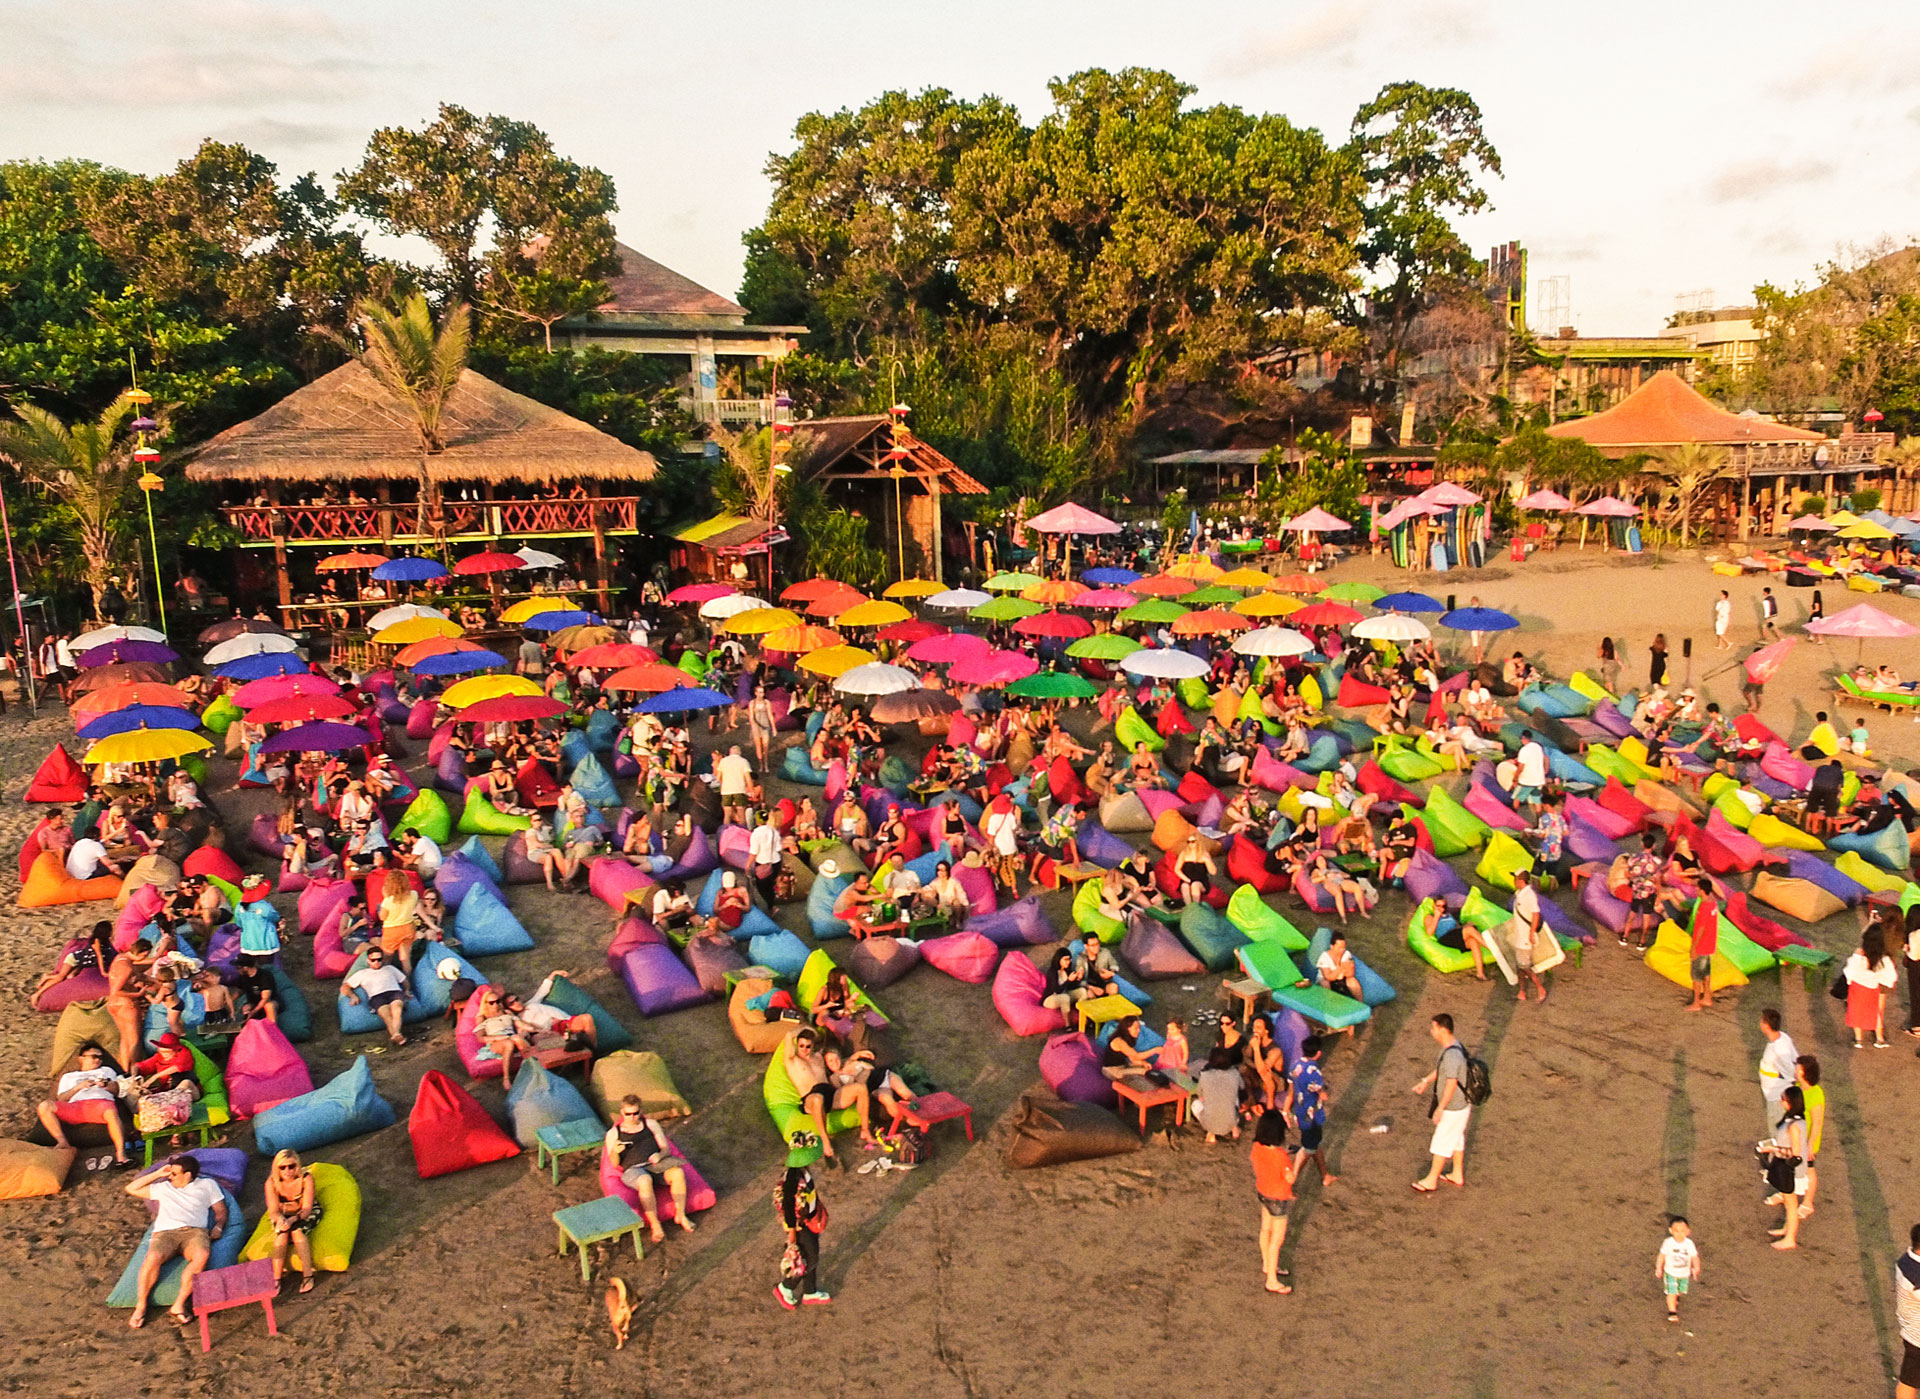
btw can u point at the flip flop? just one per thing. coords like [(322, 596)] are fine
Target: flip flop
[(306, 1284), (1425, 1189)]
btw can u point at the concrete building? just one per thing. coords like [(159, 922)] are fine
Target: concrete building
[(1725, 340)]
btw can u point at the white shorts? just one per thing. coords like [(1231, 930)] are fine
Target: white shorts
[(1450, 1133)]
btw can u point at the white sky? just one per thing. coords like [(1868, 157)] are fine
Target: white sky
[(1651, 150)]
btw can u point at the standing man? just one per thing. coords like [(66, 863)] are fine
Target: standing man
[(736, 776), (1526, 923), (1451, 1110), (1706, 942), (1307, 1099), (1722, 617), (1769, 615), (1530, 773), (764, 854), (1644, 868), (1776, 1064)]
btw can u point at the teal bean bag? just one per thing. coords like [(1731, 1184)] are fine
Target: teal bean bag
[(609, 1033), (429, 815), (1886, 847), (434, 987), (1213, 939), (358, 1018), (820, 901), (224, 1253), (345, 1106), (1262, 922), (296, 1016), (485, 927), (473, 850), (1453, 829), (593, 783), (1269, 964), (481, 817), (1374, 988), (796, 767), (1503, 858), (542, 1099), (1323, 756), (781, 952), (897, 775)]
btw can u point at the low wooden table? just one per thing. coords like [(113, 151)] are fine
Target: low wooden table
[(1811, 961), (935, 1108), (608, 1217), (1098, 1010), (243, 1284), (1247, 993), (559, 1060), (559, 1139), (1144, 1094)]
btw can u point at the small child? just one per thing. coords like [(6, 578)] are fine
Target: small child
[(1677, 1265), (1175, 1054), (1858, 740)]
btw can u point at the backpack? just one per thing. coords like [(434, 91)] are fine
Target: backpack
[(909, 1145), (1479, 1080)]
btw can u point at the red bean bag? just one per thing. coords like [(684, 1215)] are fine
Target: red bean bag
[(1247, 864), (1621, 802), (1195, 788), (48, 883), (1166, 878), (1358, 694), (535, 787), (1751, 730), (212, 860), (1064, 784), (1172, 720), (59, 779), (1375, 782), (451, 1131), (1017, 988), (964, 956), (1759, 928)]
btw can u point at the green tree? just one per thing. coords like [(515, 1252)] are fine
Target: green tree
[(419, 365), (88, 470), (1327, 476), (1689, 469)]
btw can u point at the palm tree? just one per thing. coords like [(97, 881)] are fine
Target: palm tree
[(749, 485), (87, 470), (1691, 467), (419, 364)]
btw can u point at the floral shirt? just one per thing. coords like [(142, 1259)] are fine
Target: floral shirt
[(1643, 873), (1553, 835)]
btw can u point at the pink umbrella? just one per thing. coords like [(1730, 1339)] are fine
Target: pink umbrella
[(949, 647), (1406, 510), (993, 668), (1811, 522), (1545, 500), (1763, 663), (274, 687), (1106, 599), (1058, 624), (1612, 507), (1865, 621), (701, 592), (1317, 521), (1072, 519), (1449, 495)]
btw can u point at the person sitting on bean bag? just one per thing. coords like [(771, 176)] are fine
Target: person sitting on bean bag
[(1143, 771), (1341, 887), (500, 791), (644, 1154), (1064, 987), (501, 1032), (87, 1094), (1123, 1058), (294, 1212), (866, 910), (549, 857), (943, 895), (1337, 970)]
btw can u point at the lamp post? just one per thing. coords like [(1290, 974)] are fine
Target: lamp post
[(897, 453), (147, 456)]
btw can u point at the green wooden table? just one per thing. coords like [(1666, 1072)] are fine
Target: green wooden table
[(1811, 961), (609, 1217), (559, 1139)]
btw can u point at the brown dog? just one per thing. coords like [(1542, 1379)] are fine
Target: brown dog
[(620, 1309)]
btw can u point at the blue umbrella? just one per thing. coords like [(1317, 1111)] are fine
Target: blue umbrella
[(260, 666), (690, 697), (410, 568), (149, 716), (1408, 602), (458, 662), (1109, 577), (560, 621), (1478, 619)]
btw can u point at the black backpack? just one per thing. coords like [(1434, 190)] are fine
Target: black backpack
[(1479, 1079)]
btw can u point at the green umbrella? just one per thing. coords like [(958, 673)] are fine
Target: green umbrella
[(1154, 609), (1011, 582), (1354, 592), (1049, 684), (1211, 596), (1005, 609), (1107, 646)]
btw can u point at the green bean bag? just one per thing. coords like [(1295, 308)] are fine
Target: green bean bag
[(1404, 763), (1855, 867), (694, 663), (1434, 953), (1504, 857), (1192, 691), (609, 1033), (1717, 783), (428, 814), (1269, 964), (1213, 939), (783, 1102), (1769, 829), (1250, 708), (1262, 922), (1453, 829), (1608, 763), (1739, 815), (1746, 954), (1130, 731), (1088, 918), (813, 980), (220, 716), (482, 818), (1482, 912), (1424, 747)]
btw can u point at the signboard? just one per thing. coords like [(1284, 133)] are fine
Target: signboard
[(1361, 433)]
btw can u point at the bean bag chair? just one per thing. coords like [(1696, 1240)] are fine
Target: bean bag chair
[(1602, 906), (358, 1018), (1851, 864), (88, 985), (28, 1170), (132, 922), (420, 719), (1261, 922), (263, 1068), (825, 893), (965, 956), (485, 928), (1503, 858), (610, 880), (1434, 953), (609, 1033), (320, 900), (337, 1194), (880, 961), (783, 1104), (758, 1030), (1131, 731), (1071, 1067), (594, 783), (1779, 764), (31, 846), (1376, 783), (1428, 877), (1492, 810), (1886, 847), (1154, 953), (1400, 762), (1355, 693), (1088, 918), (896, 775), (1454, 829), (1099, 846), (659, 981), (1247, 866), (796, 767), (58, 779), (331, 960), (458, 875), (780, 952), (1374, 988), (450, 1131), (1614, 825), (539, 1099), (481, 817), (1212, 938), (1587, 842), (1625, 804), (980, 887), (1017, 988), (435, 968), (1019, 924), (1672, 956), (429, 815), (1797, 898), (1049, 1131), (697, 859), (1748, 957), (83, 1023), (1801, 865), (1171, 829), (1725, 848), (710, 961), (1269, 772), (1758, 929), (346, 1106), (223, 1253), (1661, 799), (700, 1195), (1124, 813), (48, 884), (1323, 756)]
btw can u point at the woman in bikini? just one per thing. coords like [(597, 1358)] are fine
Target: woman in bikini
[(294, 1212)]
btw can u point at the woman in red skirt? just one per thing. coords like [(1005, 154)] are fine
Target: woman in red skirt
[(1871, 976)]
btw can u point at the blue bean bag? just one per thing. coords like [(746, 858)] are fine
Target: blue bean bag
[(432, 987), (755, 922), (796, 768), (1213, 939), (358, 1018), (594, 784), (472, 849), (224, 1253), (345, 1106), (602, 730), (1571, 771), (458, 876), (925, 867), (969, 808), (1886, 847), (1019, 924), (542, 1099), (897, 775), (1100, 846), (193, 1014), (485, 928), (574, 747), (1374, 989), (815, 722), (781, 951), (820, 902), (1078, 948), (1802, 864), (659, 981), (1323, 756)]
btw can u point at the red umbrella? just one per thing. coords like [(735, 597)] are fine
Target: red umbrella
[(832, 604), (810, 588), (1057, 624), (701, 592), (910, 631), (613, 653), (1762, 664), (507, 709), (489, 562), (297, 709), (1323, 614), (651, 675), (993, 668)]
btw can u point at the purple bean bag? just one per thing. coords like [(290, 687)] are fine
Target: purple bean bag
[(609, 879), (1804, 864), (711, 960), (698, 858), (264, 835), (420, 719), (1206, 813), (1100, 846), (1429, 876), (320, 898), (980, 888), (450, 772), (1071, 1066), (1562, 922), (1017, 988), (263, 1068), (226, 1164), (88, 985), (458, 875), (1601, 906), (878, 962), (1608, 716), (1155, 954), (1019, 924), (631, 932), (1769, 787), (223, 950), (515, 867), (965, 956), (1588, 842), (659, 981)]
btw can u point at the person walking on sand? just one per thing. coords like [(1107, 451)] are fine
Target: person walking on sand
[(1722, 618), (1806, 1077), (1906, 1310), (1307, 1099), (1677, 1264), (804, 1218), (1777, 1058), (1706, 942), (1273, 1183), (1769, 615), (1450, 1109)]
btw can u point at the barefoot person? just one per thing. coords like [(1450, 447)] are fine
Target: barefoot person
[(190, 1214), (1273, 1183), (641, 1150), (293, 1213), (1450, 1112), (384, 989), (86, 1094)]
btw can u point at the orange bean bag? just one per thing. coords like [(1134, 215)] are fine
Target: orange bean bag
[(48, 884), (1171, 829), (1797, 898), (451, 1131)]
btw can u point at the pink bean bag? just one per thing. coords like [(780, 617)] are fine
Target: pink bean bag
[(965, 956), (611, 880), (142, 907), (331, 960), (1158, 803), (320, 898), (1071, 1067), (836, 781), (1724, 847), (1017, 988), (420, 719), (1154, 953), (979, 885), (1758, 927), (264, 835), (700, 1195), (1610, 823), (1492, 810), (263, 1068), (88, 985), (732, 845), (1783, 766)]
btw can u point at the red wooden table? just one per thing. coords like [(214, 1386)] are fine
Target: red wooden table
[(220, 1288), (936, 1108)]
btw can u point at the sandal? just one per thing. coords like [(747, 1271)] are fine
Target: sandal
[(306, 1282)]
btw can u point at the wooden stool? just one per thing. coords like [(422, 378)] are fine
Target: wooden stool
[(608, 1217), (1247, 994), (559, 1139), (243, 1284)]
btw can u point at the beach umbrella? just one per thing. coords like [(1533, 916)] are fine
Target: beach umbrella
[(730, 605), (914, 588), (948, 648), (570, 640), (1324, 614), (1213, 595), (239, 626), (684, 701), (320, 737), (1153, 611), (1608, 507), (1005, 609), (1164, 664), (418, 651), (417, 629), (1391, 626), (1298, 583), (1272, 641), (1106, 599), (1072, 518), (1354, 592), (1052, 684), (1268, 605), (1108, 646), (343, 563), (458, 662), (1762, 664), (1318, 521), (834, 661), (701, 592), (400, 612), (530, 607), (1478, 619), (809, 588), (1408, 602), (126, 653), (510, 709), (1161, 585), (648, 676), (906, 633), (831, 605), (1198, 567), (479, 687), (1012, 582), (1544, 500), (260, 666), (146, 745), (111, 698), (798, 641), (1210, 622), (249, 644), (610, 655), (1109, 577), (873, 614), (993, 668), (1448, 494), (100, 636), (538, 558), (273, 687), (1059, 625), (1865, 621), (762, 620), (131, 673), (958, 598), (300, 709), (875, 678), (1862, 529), (139, 716), (911, 706), (1243, 578), (488, 561), (560, 621), (1839, 519), (410, 568), (1055, 591)]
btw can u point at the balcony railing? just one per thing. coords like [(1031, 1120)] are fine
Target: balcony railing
[(460, 519), (729, 410)]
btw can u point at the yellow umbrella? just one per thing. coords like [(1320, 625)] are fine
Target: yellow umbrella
[(1055, 591), (147, 746), (761, 619), (1865, 529), (1268, 605), (533, 607), (872, 614), (478, 687), (418, 629), (835, 661), (1198, 567), (1843, 518), (1244, 578), (798, 641), (914, 587)]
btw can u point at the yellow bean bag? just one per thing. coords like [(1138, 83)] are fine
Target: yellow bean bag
[(639, 1071), (48, 884), (1672, 956), (1797, 898), (27, 1170), (1311, 692), (338, 1195), (1634, 751), (1660, 797), (1587, 687), (1769, 829), (1860, 870), (1728, 570)]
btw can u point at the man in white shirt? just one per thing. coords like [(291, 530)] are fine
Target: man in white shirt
[(385, 990), (1525, 928), (1530, 773), (190, 1213), (764, 855), (87, 1094), (88, 858), (736, 776), (1722, 616), (1776, 1064), (421, 852)]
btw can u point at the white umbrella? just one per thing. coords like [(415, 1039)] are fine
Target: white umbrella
[(101, 636), (732, 605), (959, 597), (1392, 627), (405, 612), (876, 678), (1164, 664), (1272, 641), (535, 558), (249, 644)]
